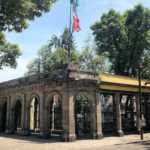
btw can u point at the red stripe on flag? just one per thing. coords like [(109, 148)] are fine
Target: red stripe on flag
[(76, 23)]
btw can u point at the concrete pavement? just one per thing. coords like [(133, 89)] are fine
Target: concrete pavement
[(128, 142)]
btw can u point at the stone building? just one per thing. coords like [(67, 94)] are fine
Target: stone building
[(71, 104)]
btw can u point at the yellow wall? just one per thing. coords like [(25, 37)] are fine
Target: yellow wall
[(122, 83)]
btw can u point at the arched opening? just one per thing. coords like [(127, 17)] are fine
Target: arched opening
[(128, 112), (34, 114), (55, 115), (4, 116), (108, 113), (18, 115), (82, 116)]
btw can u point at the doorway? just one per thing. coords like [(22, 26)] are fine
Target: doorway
[(82, 116)]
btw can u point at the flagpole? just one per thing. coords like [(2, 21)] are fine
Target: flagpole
[(74, 25), (70, 35)]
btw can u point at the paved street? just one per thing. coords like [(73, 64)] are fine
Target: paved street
[(130, 142)]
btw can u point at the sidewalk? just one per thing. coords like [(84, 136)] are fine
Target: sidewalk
[(30, 143)]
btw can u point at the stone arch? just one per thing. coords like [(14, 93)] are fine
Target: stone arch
[(17, 117), (108, 112), (54, 112), (128, 111), (34, 113), (17, 113), (82, 109)]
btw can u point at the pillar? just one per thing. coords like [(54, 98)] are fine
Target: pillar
[(96, 123), (11, 116), (8, 125), (27, 115), (25, 129), (118, 115), (42, 118), (1, 119), (68, 115), (99, 133)]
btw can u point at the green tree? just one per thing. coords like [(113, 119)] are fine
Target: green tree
[(53, 54), (145, 72), (34, 67), (90, 61), (14, 16), (8, 53), (124, 38)]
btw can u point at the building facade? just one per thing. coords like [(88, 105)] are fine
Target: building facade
[(70, 104)]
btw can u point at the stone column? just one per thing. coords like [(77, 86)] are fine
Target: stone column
[(99, 133), (8, 115), (118, 115), (42, 124), (96, 126), (1, 119), (138, 113), (27, 115), (25, 129), (23, 114), (68, 120), (11, 116)]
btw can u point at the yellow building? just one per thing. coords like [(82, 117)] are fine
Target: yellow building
[(122, 83)]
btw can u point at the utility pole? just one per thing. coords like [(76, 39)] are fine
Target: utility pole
[(140, 100)]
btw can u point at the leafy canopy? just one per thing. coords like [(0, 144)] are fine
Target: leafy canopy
[(89, 60), (55, 53), (14, 16), (8, 53), (124, 38)]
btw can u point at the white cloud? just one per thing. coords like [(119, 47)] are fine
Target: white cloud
[(9, 74)]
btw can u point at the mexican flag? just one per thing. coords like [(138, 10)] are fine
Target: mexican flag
[(76, 21)]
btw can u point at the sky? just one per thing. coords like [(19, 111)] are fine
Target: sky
[(41, 29)]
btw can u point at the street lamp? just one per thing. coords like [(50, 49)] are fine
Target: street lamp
[(140, 100)]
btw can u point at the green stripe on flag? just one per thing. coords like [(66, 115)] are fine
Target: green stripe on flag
[(77, 2)]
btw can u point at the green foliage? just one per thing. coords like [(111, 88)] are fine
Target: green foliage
[(14, 14), (55, 53), (90, 61), (146, 66), (33, 67), (8, 53), (124, 38)]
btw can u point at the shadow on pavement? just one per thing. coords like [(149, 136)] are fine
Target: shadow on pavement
[(145, 144), (33, 138)]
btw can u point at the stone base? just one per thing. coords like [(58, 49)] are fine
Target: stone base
[(120, 133), (138, 131), (44, 135), (25, 132), (9, 132), (69, 138), (97, 135)]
